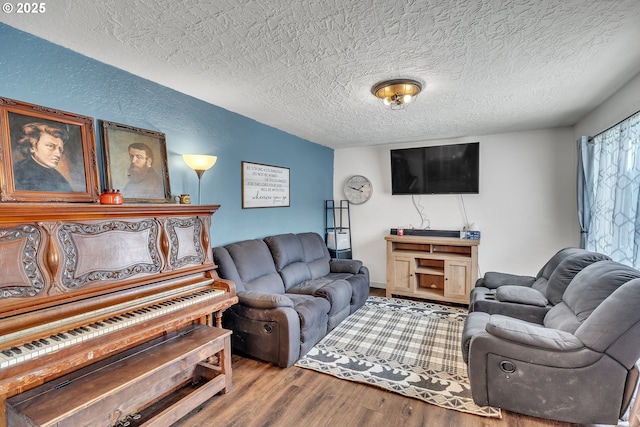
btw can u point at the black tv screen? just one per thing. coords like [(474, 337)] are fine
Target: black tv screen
[(442, 169)]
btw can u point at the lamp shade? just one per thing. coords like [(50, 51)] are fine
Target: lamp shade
[(199, 162)]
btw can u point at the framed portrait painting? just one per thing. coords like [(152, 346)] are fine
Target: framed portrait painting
[(135, 162), (47, 155)]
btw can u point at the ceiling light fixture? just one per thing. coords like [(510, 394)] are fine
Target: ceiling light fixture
[(397, 94)]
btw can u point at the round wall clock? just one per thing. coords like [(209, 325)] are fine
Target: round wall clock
[(358, 189)]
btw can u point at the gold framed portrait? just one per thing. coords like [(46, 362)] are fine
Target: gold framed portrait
[(48, 155), (135, 162)]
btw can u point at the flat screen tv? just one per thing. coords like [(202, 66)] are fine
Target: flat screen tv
[(442, 169)]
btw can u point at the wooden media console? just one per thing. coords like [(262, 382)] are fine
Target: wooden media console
[(434, 268)]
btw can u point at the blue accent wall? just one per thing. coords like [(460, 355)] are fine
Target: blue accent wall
[(36, 71)]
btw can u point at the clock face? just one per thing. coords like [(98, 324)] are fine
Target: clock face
[(358, 189)]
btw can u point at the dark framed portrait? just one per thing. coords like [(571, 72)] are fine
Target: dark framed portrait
[(135, 162), (47, 155)]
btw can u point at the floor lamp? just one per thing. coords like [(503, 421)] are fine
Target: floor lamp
[(199, 163)]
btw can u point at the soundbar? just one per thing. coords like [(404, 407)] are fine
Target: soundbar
[(435, 233)]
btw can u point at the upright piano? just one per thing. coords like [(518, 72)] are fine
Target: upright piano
[(80, 283)]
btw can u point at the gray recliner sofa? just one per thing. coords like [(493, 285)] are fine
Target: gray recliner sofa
[(577, 366), (290, 292), (526, 297)]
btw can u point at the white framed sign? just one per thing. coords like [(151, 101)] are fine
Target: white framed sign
[(264, 186)]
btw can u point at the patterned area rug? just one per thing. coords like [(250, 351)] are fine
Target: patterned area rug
[(411, 348)]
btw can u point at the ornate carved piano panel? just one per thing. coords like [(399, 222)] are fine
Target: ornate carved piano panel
[(51, 258), (92, 280), (22, 276)]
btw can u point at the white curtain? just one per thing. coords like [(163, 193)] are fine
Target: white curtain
[(609, 191)]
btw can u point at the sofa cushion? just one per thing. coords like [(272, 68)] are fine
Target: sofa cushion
[(316, 254), (252, 267), (566, 271), (615, 321), (337, 292), (285, 249), (226, 267), (294, 274), (521, 295), (288, 257), (586, 291), (542, 278)]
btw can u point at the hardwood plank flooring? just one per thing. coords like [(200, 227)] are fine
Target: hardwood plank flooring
[(266, 395)]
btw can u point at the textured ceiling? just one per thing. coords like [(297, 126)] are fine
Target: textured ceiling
[(307, 67)]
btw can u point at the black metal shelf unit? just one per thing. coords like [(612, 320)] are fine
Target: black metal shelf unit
[(338, 228)]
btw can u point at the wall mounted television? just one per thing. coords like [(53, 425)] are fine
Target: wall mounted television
[(441, 169)]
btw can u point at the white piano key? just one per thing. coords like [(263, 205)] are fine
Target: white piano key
[(4, 361)]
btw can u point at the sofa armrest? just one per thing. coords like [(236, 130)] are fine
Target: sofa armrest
[(532, 335), (263, 300), (521, 295), (345, 265), (510, 358), (493, 280), (364, 270)]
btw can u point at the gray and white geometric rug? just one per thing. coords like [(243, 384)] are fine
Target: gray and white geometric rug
[(407, 347)]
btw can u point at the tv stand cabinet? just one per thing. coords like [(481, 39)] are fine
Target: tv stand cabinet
[(435, 268)]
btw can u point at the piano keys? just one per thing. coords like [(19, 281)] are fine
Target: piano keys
[(48, 344)]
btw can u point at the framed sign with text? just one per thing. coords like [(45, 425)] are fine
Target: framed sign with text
[(264, 186)]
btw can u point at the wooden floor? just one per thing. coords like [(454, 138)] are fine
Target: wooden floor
[(265, 395)]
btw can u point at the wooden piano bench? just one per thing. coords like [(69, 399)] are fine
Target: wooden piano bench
[(108, 392)]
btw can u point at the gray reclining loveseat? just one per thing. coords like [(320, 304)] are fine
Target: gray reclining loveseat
[(290, 292), (526, 297), (577, 365)]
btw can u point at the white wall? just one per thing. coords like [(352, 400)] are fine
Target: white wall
[(619, 106), (526, 208)]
